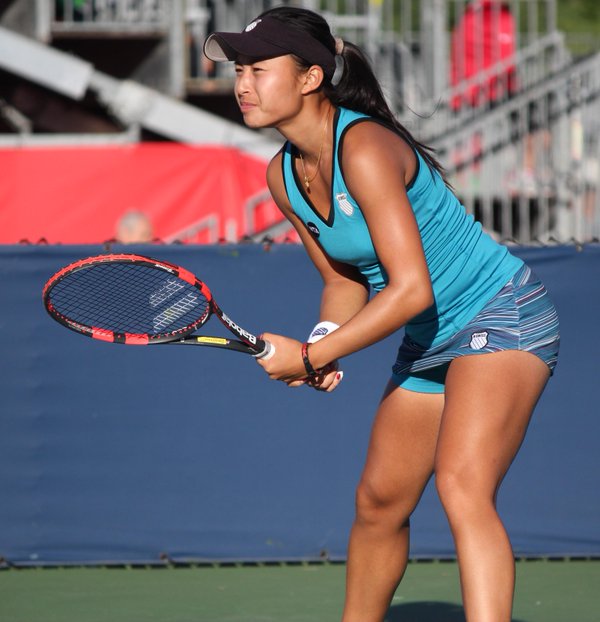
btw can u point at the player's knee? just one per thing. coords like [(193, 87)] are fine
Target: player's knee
[(376, 506), (462, 492)]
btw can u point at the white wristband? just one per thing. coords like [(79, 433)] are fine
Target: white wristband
[(321, 330)]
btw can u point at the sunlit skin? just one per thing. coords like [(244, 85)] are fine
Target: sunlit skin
[(467, 436), (275, 93), (268, 91)]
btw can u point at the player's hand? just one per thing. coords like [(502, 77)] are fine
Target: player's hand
[(327, 379), (286, 364)]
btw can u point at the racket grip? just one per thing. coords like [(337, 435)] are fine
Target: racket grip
[(267, 352)]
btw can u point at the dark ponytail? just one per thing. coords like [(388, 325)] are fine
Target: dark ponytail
[(358, 89)]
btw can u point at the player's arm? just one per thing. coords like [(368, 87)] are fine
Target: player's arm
[(377, 166), (345, 291)]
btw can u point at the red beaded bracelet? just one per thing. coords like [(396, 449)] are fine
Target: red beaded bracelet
[(310, 370)]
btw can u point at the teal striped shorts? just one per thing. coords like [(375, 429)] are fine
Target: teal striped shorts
[(520, 316)]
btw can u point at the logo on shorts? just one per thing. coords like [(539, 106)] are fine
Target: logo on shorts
[(313, 229), (479, 340)]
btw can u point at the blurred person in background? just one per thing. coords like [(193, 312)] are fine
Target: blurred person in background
[(373, 211), (134, 227)]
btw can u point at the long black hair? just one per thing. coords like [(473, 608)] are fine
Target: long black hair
[(358, 89)]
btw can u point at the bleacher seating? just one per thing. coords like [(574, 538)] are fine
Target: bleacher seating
[(512, 115)]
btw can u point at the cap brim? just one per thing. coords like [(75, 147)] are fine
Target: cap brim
[(224, 46), (267, 37)]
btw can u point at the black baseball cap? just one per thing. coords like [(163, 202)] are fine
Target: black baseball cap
[(267, 37)]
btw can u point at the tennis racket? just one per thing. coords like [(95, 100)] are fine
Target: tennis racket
[(136, 300)]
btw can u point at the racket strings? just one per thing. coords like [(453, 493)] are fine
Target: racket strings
[(129, 298)]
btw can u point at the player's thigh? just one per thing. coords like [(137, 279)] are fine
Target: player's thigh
[(402, 446), (489, 402)]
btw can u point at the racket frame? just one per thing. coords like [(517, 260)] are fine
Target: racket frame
[(247, 343)]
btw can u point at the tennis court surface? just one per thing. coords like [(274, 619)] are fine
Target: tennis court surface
[(565, 590)]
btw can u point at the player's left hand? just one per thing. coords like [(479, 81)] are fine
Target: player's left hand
[(327, 379), (287, 366)]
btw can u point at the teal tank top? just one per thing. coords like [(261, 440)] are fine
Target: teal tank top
[(467, 267)]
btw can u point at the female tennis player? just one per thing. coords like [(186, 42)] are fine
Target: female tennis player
[(481, 336)]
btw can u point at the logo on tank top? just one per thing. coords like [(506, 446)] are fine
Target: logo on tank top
[(479, 340), (313, 229), (344, 204)]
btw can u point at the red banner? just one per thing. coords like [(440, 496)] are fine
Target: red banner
[(78, 195), (484, 36)]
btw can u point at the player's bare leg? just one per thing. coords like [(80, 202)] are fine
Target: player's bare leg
[(399, 463), (489, 401)]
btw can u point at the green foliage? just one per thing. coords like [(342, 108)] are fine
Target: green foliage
[(580, 21), (579, 15)]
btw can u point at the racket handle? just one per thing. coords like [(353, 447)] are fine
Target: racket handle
[(267, 352)]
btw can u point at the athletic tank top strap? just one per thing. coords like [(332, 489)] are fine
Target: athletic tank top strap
[(343, 233), (466, 266)]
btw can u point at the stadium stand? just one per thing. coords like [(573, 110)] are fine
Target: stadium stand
[(491, 85)]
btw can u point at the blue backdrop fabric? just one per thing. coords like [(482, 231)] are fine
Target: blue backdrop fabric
[(125, 454)]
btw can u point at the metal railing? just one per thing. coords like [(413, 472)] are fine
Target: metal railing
[(109, 14), (526, 161), (529, 169)]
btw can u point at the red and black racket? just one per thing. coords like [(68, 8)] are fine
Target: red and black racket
[(136, 300)]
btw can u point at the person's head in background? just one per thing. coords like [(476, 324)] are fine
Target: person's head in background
[(134, 227)]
